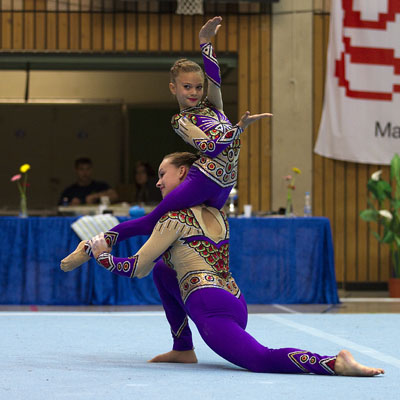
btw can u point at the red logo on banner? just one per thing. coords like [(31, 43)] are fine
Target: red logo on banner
[(359, 53)]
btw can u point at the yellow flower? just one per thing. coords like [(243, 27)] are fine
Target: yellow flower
[(297, 170), (25, 168)]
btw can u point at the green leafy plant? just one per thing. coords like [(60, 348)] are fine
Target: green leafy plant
[(384, 208)]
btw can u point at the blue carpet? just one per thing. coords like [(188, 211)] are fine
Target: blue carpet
[(104, 356)]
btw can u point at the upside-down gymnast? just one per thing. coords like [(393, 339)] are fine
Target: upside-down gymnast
[(202, 124), (194, 280)]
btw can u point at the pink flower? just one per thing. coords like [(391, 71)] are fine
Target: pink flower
[(288, 177), (16, 177)]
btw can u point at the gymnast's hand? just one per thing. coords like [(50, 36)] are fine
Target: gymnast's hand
[(209, 29), (99, 245), (248, 119)]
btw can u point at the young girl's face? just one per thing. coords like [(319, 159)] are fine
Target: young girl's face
[(188, 89), (169, 176)]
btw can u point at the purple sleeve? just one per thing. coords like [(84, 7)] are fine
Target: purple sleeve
[(210, 147), (210, 62), (120, 266)]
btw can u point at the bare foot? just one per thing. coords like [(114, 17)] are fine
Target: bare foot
[(174, 356), (76, 258), (346, 365)]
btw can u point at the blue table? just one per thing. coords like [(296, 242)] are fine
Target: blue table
[(274, 260), (284, 260)]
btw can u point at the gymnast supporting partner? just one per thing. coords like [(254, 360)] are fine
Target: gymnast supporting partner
[(188, 252), (202, 124)]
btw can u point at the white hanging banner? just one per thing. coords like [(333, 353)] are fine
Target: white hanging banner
[(361, 115)]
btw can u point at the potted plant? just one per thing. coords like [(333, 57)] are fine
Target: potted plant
[(384, 208)]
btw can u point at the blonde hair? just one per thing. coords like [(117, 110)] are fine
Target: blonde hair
[(183, 158), (184, 65)]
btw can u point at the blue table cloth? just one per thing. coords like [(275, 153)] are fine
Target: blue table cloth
[(274, 260), (283, 260)]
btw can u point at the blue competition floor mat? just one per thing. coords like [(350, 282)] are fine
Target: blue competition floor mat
[(87, 355)]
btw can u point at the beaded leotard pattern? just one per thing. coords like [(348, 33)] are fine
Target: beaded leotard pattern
[(199, 261), (216, 139)]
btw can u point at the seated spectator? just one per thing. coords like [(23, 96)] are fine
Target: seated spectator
[(86, 190), (145, 181)]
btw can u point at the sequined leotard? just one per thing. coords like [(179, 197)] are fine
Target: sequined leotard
[(191, 272), (212, 177), (208, 129)]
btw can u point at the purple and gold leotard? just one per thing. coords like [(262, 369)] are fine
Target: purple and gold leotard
[(191, 272), (212, 176), (207, 129)]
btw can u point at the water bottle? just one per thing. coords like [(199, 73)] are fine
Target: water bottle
[(307, 205), (232, 208)]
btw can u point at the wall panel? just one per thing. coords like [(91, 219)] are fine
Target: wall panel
[(253, 132), (6, 30), (17, 23), (131, 32), (243, 104), (265, 106), (51, 31), (63, 31), (120, 32), (165, 32)]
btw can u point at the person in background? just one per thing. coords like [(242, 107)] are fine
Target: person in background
[(86, 190), (145, 183)]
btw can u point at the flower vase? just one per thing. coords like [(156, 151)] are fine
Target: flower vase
[(289, 207), (23, 208)]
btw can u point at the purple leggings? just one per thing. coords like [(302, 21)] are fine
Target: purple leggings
[(221, 320), (194, 190)]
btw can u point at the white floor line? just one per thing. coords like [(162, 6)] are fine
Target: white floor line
[(287, 309), (370, 300), (81, 314), (343, 343)]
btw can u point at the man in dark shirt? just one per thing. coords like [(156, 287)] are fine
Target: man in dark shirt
[(86, 190)]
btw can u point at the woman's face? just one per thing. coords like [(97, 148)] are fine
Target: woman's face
[(169, 176), (141, 175)]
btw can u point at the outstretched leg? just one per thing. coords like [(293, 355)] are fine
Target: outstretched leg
[(168, 288), (220, 319), (194, 190)]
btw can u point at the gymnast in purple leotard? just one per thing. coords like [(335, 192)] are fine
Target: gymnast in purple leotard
[(202, 124), (188, 252)]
